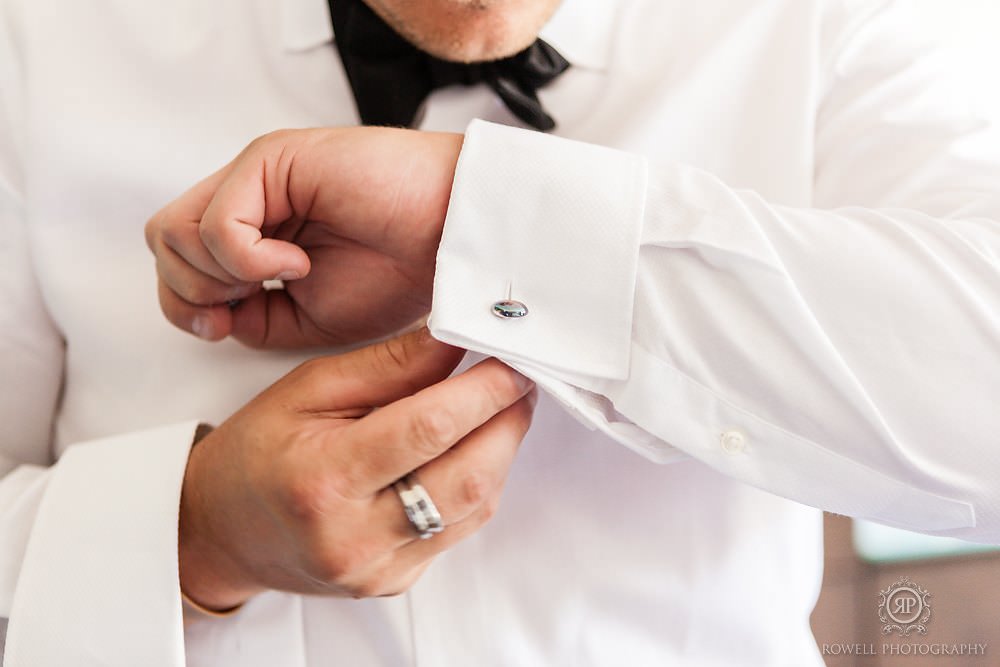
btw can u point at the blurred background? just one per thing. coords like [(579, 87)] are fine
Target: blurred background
[(864, 559)]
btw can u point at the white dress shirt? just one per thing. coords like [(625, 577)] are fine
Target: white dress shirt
[(784, 282)]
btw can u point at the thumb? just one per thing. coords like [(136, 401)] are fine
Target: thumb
[(379, 374), (254, 194)]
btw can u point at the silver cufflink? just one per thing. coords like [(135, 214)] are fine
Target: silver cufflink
[(509, 308)]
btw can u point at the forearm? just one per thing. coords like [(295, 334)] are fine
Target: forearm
[(844, 358)]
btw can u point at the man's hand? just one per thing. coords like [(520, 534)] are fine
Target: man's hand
[(349, 219), (294, 491)]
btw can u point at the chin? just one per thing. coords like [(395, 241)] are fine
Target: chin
[(467, 30), (475, 43)]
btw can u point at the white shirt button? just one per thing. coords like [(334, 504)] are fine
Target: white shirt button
[(733, 442)]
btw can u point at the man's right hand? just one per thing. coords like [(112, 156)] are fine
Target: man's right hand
[(294, 492), (348, 218)]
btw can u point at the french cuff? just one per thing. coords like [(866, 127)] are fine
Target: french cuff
[(556, 223), (99, 583)]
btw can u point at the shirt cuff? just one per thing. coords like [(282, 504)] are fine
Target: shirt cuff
[(99, 583), (557, 224)]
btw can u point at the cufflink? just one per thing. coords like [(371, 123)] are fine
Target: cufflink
[(509, 308)]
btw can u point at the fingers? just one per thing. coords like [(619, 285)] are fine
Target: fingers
[(466, 478), (187, 235), (417, 554), (187, 208), (185, 256), (396, 571), (372, 376), (207, 322), (192, 299), (273, 319), (406, 434), (465, 484), (195, 285), (255, 194), (280, 484)]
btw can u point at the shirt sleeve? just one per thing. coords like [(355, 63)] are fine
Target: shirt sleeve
[(98, 584), (844, 356), (88, 545)]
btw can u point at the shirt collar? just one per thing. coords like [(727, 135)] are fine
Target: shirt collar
[(581, 30)]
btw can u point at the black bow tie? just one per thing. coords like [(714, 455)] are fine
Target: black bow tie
[(391, 78)]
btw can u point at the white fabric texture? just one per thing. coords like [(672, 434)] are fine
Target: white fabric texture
[(739, 322), (785, 176)]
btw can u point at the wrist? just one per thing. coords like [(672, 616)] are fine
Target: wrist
[(210, 579), (206, 583)]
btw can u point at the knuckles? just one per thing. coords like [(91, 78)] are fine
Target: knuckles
[(475, 487), (321, 374), (170, 234), (489, 508), (337, 560), (307, 500), (239, 262), (341, 567), (431, 431), (311, 369), (373, 588), (200, 293), (266, 142), (359, 571), (150, 232), (478, 494), (384, 583), (397, 588)]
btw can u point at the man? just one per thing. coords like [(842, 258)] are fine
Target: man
[(749, 305)]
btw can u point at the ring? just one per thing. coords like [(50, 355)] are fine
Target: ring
[(420, 510)]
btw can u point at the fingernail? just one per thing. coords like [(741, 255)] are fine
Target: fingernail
[(524, 383), (239, 292), (532, 397), (287, 275), (202, 327)]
